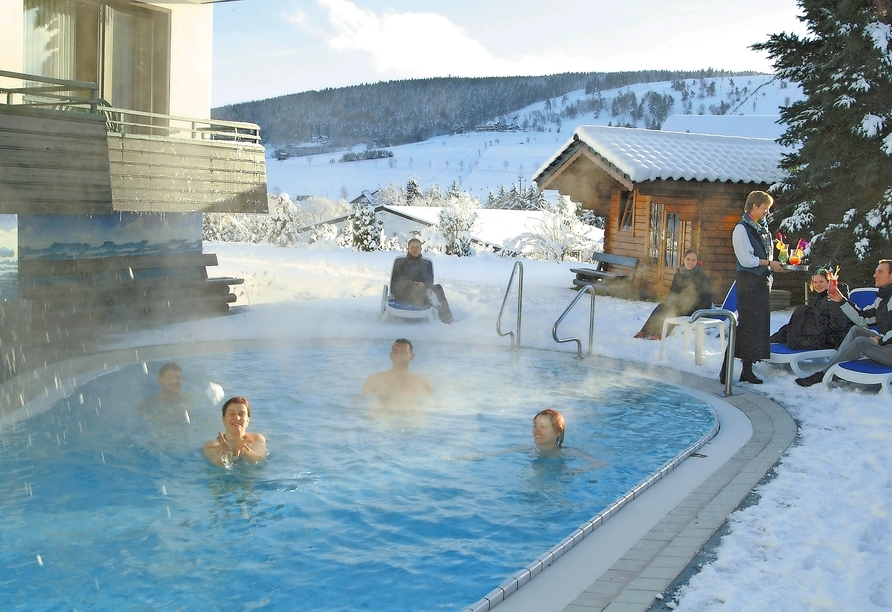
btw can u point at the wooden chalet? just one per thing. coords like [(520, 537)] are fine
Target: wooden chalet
[(664, 192)]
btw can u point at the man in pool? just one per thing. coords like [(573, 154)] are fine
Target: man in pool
[(171, 398), (236, 444), (398, 381)]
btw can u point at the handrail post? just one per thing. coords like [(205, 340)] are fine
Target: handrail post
[(591, 322), (732, 340), (518, 266)]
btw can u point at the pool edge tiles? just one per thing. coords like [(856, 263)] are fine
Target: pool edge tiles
[(679, 513), (523, 576)]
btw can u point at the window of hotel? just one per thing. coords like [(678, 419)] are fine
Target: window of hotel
[(122, 47), (626, 211)]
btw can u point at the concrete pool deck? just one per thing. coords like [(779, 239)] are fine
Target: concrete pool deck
[(622, 565)]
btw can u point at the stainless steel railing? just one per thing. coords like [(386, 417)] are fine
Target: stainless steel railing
[(517, 270), (591, 322), (732, 340)]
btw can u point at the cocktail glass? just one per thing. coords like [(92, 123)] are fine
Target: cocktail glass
[(782, 253), (796, 257)]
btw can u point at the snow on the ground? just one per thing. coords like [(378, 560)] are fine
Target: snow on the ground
[(820, 538), (482, 162)]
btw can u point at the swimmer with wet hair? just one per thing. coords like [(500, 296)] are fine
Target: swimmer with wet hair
[(397, 382), (548, 431), (170, 400), (236, 444)]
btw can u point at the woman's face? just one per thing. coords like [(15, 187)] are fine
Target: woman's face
[(690, 261), (236, 418), (544, 434), (819, 283), (759, 212)]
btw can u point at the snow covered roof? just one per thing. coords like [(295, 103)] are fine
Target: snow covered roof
[(636, 155)]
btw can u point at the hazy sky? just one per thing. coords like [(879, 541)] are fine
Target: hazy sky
[(265, 48)]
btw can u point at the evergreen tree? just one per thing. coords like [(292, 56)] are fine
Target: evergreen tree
[(413, 190), (362, 231), (839, 186)]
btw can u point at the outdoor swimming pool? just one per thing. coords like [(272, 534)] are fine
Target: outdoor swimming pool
[(357, 507)]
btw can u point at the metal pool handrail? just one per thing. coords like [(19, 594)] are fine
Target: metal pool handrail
[(591, 322), (732, 339), (518, 266)]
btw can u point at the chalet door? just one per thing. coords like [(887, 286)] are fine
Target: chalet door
[(665, 239)]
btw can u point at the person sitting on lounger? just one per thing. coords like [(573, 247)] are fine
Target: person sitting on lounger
[(413, 282), (691, 290), (819, 325), (861, 341)]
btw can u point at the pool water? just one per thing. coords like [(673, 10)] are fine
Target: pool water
[(358, 507)]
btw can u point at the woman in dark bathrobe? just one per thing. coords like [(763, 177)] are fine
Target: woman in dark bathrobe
[(691, 290), (753, 250)]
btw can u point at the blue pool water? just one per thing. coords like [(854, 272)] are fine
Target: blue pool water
[(356, 508)]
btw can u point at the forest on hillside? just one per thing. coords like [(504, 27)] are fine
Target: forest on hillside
[(399, 112)]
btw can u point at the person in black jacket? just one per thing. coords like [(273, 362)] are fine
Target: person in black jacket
[(862, 341), (754, 252), (413, 282), (691, 290), (819, 325)]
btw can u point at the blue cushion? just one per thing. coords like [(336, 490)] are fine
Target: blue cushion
[(783, 349), (866, 366), (405, 305)]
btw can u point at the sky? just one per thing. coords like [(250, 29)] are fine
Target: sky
[(267, 48)]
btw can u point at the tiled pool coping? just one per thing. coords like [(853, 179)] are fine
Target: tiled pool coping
[(629, 560), (619, 567)]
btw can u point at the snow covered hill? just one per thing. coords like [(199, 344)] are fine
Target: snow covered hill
[(480, 162)]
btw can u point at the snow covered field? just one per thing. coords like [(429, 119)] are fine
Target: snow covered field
[(481, 162), (820, 538)]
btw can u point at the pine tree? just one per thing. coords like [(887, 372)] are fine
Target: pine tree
[(839, 186), (363, 230), (413, 190)]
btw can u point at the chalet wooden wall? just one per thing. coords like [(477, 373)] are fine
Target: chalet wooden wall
[(53, 162), (182, 175)]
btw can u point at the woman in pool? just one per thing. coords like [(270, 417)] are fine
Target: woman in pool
[(548, 432), (236, 444)]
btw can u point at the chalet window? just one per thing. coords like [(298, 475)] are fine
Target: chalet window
[(626, 211), (121, 46), (674, 236), (654, 232)]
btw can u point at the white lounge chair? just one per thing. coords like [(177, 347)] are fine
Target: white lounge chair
[(781, 354), (699, 327), (390, 306), (862, 371)]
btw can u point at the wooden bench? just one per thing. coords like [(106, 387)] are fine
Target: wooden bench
[(151, 288), (604, 279)]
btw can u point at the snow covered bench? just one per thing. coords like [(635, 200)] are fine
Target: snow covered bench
[(612, 272)]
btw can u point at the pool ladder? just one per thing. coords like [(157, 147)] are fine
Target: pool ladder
[(516, 271), (732, 339), (591, 322)]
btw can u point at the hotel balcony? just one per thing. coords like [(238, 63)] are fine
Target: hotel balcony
[(63, 150)]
